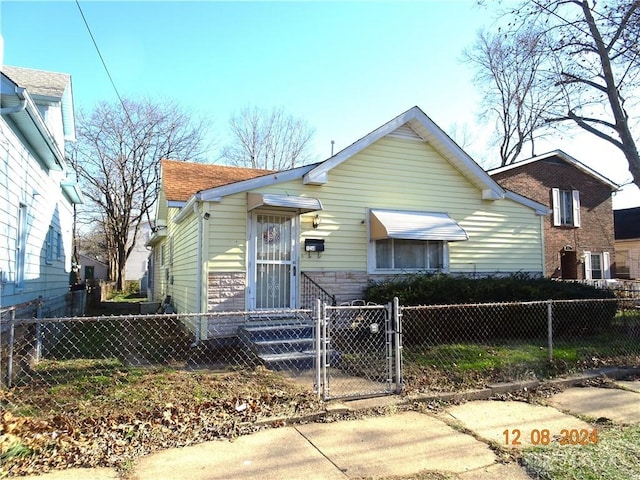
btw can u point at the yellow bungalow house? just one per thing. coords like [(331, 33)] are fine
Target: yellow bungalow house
[(403, 199)]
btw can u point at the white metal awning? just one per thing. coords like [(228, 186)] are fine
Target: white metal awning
[(414, 226), (300, 204)]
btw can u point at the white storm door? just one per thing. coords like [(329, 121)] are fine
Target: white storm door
[(275, 265)]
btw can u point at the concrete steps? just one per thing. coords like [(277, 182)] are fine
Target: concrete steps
[(282, 344)]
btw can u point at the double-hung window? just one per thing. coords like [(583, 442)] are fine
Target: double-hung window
[(566, 207), (401, 254), (405, 241), (596, 265)]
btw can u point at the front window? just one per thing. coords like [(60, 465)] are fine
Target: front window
[(398, 254)]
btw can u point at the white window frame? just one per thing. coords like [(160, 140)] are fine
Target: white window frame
[(605, 265), (373, 267), (556, 196)]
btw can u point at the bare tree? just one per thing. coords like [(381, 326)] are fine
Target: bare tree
[(117, 160), (508, 69), (590, 68), (269, 139)]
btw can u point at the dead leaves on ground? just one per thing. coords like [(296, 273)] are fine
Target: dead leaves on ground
[(120, 432)]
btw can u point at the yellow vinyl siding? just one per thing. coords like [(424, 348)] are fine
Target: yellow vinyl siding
[(184, 266), (403, 174), (227, 234), (392, 173)]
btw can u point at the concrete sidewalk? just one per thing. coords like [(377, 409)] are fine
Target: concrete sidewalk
[(401, 444)]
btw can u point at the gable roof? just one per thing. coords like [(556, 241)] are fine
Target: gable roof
[(181, 180), (563, 156), (626, 223), (427, 131), (419, 125), (47, 87)]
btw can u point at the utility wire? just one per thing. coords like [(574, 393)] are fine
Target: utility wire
[(104, 64)]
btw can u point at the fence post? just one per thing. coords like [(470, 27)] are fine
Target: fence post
[(397, 321), (325, 345), (550, 329), (12, 333), (318, 359)]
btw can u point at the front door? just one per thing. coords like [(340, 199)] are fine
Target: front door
[(275, 253)]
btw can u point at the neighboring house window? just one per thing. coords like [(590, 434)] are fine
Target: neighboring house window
[(596, 265), (162, 255), (21, 244), (49, 245), (397, 254), (566, 207), (171, 250), (622, 264)]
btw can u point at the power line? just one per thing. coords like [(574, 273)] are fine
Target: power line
[(104, 64)]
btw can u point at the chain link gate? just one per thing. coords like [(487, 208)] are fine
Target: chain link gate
[(358, 350)]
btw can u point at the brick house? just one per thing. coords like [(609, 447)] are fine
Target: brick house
[(579, 234)]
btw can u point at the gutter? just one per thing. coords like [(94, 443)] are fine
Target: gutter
[(16, 108)]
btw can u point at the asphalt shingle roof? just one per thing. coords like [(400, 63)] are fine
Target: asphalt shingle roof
[(38, 82), (182, 179)]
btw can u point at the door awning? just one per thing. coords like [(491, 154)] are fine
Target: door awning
[(300, 204), (415, 226)]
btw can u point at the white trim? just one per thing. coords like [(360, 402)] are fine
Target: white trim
[(555, 200), (587, 264), (563, 156), (575, 196), (215, 194), (419, 122), (606, 265)]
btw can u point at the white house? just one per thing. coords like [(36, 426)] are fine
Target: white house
[(37, 193)]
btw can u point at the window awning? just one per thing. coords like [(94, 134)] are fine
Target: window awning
[(300, 204), (415, 226)]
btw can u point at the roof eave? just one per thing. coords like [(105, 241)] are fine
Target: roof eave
[(30, 123), (429, 132)]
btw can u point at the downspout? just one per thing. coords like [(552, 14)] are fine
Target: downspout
[(196, 211), (16, 108)]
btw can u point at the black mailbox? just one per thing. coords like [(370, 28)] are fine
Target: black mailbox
[(313, 245)]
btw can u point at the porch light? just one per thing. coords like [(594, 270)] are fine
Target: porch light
[(316, 221)]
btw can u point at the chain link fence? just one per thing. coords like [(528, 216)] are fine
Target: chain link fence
[(362, 350), (451, 347)]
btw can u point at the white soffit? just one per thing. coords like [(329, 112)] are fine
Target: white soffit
[(301, 204), (415, 226)]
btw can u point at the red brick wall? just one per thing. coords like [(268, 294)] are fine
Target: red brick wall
[(595, 234)]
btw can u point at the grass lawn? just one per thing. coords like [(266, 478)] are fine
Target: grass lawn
[(616, 456)]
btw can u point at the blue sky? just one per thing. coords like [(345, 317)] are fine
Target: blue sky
[(345, 67)]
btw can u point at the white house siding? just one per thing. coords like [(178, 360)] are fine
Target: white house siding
[(23, 180)]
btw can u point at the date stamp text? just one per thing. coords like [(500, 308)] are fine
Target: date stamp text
[(543, 436)]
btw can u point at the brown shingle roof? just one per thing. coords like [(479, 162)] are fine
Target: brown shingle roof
[(182, 179)]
